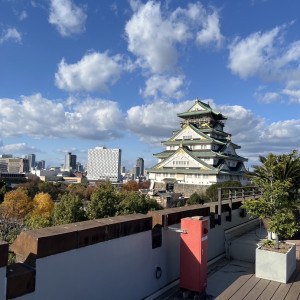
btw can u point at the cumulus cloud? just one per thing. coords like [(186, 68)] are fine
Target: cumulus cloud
[(154, 34), (160, 86), (68, 18), (37, 117), (267, 56), (11, 34), (294, 94), (95, 71)]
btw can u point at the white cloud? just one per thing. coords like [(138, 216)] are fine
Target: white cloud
[(211, 32), (11, 34), (294, 94), (20, 148), (268, 97), (68, 18), (37, 117), (163, 86), (95, 71), (23, 15), (269, 57), (251, 55), (154, 33)]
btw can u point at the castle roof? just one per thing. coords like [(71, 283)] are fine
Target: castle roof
[(200, 108)]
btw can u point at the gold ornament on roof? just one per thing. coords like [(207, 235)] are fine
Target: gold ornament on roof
[(187, 122), (181, 144), (197, 100), (229, 137)]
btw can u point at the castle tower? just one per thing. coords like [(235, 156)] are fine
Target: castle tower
[(199, 154)]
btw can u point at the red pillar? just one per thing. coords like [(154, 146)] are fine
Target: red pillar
[(193, 254)]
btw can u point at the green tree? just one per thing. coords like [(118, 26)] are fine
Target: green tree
[(104, 201), (68, 210), (212, 191), (195, 198), (132, 202), (278, 179), (38, 221), (4, 188)]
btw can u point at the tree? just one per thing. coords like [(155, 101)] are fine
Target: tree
[(4, 188), (77, 189), (212, 191), (38, 221), (130, 186), (17, 204), (278, 178), (42, 205), (68, 210), (104, 201), (195, 198), (132, 202)]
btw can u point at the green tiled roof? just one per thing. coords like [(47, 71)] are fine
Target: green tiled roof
[(207, 110)]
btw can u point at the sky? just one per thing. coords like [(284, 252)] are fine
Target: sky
[(75, 75)]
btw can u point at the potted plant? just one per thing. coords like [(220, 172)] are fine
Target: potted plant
[(279, 177)]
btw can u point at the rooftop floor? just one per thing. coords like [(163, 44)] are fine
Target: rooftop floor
[(236, 280)]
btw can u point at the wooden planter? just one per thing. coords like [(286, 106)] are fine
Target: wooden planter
[(274, 265)]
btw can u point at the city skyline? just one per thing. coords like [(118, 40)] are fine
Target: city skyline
[(76, 75)]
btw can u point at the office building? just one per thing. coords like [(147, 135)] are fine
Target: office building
[(140, 164), (70, 161), (104, 164), (31, 160)]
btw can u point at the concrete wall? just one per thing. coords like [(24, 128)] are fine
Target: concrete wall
[(2, 283), (120, 266)]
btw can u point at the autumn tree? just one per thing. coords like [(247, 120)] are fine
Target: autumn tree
[(130, 186), (68, 210), (4, 188), (77, 190), (42, 205), (17, 204)]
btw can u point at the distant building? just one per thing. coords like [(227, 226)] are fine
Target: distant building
[(40, 165), (6, 156), (123, 170), (104, 164), (14, 165), (70, 161), (79, 167), (140, 164), (31, 160), (136, 172)]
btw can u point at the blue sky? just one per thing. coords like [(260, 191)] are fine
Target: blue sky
[(79, 74)]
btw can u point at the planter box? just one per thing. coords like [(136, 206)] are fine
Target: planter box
[(274, 265)]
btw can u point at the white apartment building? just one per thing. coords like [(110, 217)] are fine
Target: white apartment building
[(104, 164)]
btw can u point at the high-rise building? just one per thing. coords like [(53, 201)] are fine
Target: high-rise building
[(140, 164), (79, 167), (31, 160), (123, 171), (70, 161), (136, 172), (200, 153), (40, 165), (104, 164)]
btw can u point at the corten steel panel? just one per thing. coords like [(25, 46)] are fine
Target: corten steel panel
[(193, 254)]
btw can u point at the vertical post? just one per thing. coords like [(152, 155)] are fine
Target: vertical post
[(243, 194), (230, 206), (219, 205)]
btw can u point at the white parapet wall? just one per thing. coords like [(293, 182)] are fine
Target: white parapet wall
[(114, 258)]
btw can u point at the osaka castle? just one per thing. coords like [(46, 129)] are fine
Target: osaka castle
[(199, 154)]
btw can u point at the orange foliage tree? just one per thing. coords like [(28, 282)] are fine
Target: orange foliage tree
[(42, 205), (17, 204), (130, 186)]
